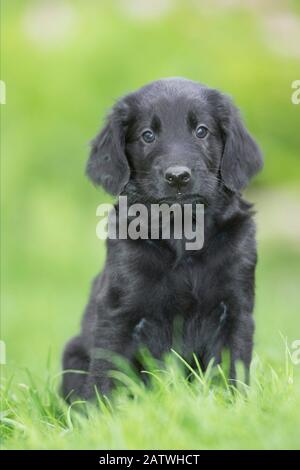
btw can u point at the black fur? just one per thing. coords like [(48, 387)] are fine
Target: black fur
[(149, 286)]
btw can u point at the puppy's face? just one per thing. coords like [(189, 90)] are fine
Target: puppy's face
[(174, 140), (174, 144)]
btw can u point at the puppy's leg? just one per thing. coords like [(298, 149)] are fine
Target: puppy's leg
[(206, 336), (241, 346), (112, 340), (218, 330), (154, 336), (75, 358)]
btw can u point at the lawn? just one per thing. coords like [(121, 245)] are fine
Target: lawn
[(64, 64), (171, 412), (170, 415)]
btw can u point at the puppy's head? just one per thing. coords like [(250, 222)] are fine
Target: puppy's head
[(173, 140)]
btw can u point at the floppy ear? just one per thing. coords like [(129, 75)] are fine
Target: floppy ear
[(107, 164), (242, 158)]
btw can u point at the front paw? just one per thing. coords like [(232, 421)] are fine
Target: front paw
[(96, 386), (155, 336), (141, 331), (223, 311)]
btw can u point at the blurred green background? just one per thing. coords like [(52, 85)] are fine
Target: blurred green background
[(64, 63)]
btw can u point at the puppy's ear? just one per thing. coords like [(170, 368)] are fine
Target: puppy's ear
[(107, 164), (242, 158)]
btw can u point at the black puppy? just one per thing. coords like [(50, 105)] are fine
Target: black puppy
[(173, 140)]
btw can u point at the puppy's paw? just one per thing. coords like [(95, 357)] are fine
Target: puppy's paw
[(141, 330), (223, 309)]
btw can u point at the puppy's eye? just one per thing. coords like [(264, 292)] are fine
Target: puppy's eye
[(201, 132), (148, 136)]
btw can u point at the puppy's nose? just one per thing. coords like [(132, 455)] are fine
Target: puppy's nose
[(178, 176)]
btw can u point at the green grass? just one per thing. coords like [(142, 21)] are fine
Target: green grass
[(57, 95), (170, 413)]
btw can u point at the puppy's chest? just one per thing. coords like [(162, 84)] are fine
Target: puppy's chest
[(190, 313), (195, 286)]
